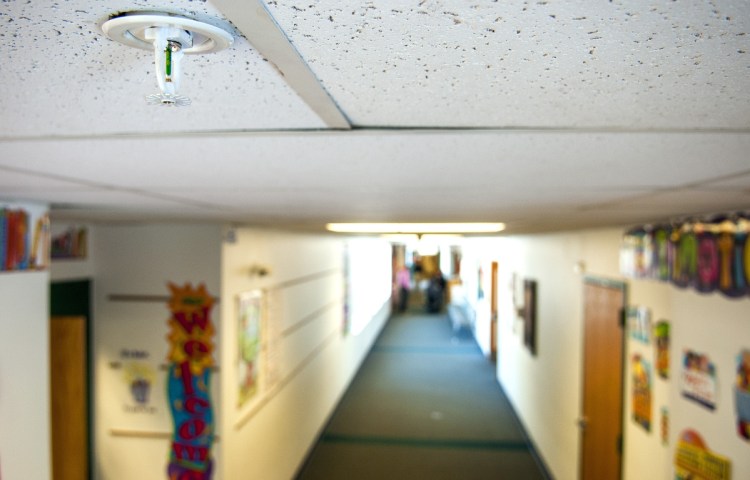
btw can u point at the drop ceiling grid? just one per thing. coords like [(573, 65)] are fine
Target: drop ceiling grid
[(676, 203), (63, 76), (517, 63)]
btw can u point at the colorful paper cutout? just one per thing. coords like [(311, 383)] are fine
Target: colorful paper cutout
[(641, 392), (694, 461), (661, 343), (742, 394), (708, 255), (190, 356), (699, 379), (664, 430)]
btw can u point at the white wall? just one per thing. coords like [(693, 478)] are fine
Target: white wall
[(546, 389), (140, 260), (270, 436), (24, 376)]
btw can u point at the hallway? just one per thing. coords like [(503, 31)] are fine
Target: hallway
[(425, 404)]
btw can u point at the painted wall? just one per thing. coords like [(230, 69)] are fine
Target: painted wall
[(309, 360), (132, 440), (24, 376), (546, 389)]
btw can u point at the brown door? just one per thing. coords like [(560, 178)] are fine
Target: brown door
[(601, 421), (69, 396)]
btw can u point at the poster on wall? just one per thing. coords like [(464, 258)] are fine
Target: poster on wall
[(139, 376), (742, 394), (699, 379), (661, 343), (250, 320), (641, 392), (694, 461), (639, 323), (190, 362)]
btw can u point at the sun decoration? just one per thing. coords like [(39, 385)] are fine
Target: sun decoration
[(191, 331)]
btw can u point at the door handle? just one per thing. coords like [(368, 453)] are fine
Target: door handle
[(583, 422)]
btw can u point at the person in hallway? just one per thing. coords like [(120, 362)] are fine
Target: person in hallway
[(403, 284), (435, 292)]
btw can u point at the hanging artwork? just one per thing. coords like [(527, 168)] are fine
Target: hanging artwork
[(661, 343), (641, 392), (694, 461), (529, 314), (250, 342), (639, 323), (699, 379), (742, 394), (190, 362)]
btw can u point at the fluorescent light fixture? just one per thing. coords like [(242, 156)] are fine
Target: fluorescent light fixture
[(415, 227)]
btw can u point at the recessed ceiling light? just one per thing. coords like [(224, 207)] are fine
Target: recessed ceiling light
[(415, 227), (170, 37)]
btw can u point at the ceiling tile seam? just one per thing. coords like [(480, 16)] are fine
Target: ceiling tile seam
[(265, 34), (160, 135), (357, 130), (699, 185), (729, 176), (115, 188), (623, 202)]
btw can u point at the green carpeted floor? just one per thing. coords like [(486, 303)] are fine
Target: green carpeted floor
[(424, 405)]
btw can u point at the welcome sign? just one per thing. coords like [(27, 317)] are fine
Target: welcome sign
[(711, 255), (190, 361)]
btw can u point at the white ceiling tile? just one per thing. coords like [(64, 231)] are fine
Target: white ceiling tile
[(519, 63)]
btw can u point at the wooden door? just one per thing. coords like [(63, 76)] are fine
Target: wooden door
[(68, 389), (601, 420)]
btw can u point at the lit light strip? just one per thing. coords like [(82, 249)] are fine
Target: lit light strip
[(415, 227)]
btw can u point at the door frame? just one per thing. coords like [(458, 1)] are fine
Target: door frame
[(623, 287)]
